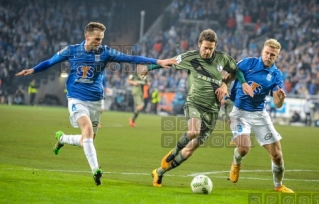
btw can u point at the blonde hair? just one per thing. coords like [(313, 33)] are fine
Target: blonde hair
[(94, 26), (273, 43)]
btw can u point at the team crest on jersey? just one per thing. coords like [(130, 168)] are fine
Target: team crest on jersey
[(268, 77), (257, 88), (97, 58), (219, 68)]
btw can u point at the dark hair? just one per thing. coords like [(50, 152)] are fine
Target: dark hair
[(94, 26), (208, 35)]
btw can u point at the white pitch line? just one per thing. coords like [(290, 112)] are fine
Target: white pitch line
[(189, 175), (270, 179), (251, 171)]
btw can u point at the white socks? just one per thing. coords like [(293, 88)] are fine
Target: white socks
[(237, 157), (278, 174), (90, 153), (277, 171), (71, 139), (88, 147)]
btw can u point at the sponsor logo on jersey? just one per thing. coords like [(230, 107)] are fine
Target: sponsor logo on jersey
[(85, 71), (205, 78), (255, 87), (86, 81)]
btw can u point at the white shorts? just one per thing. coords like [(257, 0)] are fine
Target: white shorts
[(78, 108), (243, 122)]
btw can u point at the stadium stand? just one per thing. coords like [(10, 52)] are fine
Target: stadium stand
[(33, 30)]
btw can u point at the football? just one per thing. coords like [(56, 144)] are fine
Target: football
[(202, 184)]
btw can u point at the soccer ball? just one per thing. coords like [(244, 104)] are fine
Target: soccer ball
[(202, 184)]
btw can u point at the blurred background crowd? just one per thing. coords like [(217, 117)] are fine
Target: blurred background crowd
[(32, 31), (295, 24)]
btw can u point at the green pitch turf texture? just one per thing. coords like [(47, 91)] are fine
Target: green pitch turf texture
[(31, 173)]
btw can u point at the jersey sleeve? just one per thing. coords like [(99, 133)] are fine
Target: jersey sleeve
[(181, 62), (61, 56), (244, 65), (116, 56), (230, 66)]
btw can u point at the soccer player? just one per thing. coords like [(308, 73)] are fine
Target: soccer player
[(249, 114), (84, 91), (205, 91), (137, 91)]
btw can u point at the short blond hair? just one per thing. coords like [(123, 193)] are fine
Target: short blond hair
[(94, 26), (273, 43)]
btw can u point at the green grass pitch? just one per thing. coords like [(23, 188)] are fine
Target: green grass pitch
[(31, 173)]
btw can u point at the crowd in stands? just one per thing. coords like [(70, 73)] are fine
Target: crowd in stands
[(295, 24), (34, 30)]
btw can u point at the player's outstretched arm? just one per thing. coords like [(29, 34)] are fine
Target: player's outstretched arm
[(42, 66), (166, 63), (25, 72)]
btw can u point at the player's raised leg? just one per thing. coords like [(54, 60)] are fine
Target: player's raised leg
[(193, 130), (170, 156), (59, 144), (63, 139), (184, 148)]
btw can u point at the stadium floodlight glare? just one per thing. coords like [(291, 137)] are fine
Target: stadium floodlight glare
[(64, 75)]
